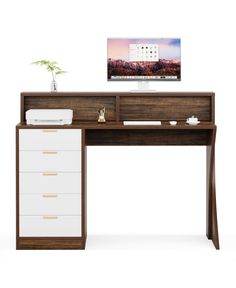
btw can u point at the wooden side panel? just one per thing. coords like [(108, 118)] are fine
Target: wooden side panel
[(84, 186), (165, 108), (211, 209)]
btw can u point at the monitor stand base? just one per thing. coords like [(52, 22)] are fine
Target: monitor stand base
[(143, 91), (143, 86)]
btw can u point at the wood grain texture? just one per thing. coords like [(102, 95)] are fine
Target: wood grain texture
[(146, 137), (121, 106), (165, 108), (119, 125), (211, 208), (117, 108), (50, 243), (84, 108), (125, 105)]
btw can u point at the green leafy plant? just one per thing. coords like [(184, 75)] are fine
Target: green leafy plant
[(51, 66)]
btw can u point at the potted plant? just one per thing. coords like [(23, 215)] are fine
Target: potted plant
[(52, 67)]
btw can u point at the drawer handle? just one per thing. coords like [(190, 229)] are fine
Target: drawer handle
[(49, 152), (49, 130), (50, 195), (49, 174), (50, 217)]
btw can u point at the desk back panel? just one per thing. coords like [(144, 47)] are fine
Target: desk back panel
[(165, 108), (140, 137), (84, 108), (122, 106)]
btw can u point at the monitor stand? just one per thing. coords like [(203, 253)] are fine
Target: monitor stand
[(143, 86)]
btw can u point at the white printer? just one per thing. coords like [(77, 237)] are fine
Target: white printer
[(49, 116)]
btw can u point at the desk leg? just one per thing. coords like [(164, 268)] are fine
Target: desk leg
[(211, 210)]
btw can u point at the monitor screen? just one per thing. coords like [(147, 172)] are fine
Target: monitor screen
[(157, 59)]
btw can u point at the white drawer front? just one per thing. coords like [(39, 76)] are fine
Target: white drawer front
[(50, 204), (50, 139), (35, 183), (41, 161), (50, 226)]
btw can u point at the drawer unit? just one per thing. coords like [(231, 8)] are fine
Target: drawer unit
[(50, 226), (50, 182), (50, 204), (42, 161), (50, 139)]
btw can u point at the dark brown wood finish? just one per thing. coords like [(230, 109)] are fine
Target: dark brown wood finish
[(84, 108), (117, 108), (213, 108), (146, 137), (121, 106), (32, 243), (125, 105), (211, 209), (165, 108), (119, 125)]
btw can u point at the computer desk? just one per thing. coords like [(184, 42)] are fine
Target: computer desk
[(122, 106)]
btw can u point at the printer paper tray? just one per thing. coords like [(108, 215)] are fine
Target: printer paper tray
[(48, 122)]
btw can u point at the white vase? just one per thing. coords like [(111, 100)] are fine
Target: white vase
[(54, 86)]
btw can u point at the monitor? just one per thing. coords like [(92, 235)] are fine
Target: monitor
[(143, 59)]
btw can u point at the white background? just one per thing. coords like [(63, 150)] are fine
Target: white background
[(146, 225)]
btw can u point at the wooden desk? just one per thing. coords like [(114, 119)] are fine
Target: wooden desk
[(126, 106)]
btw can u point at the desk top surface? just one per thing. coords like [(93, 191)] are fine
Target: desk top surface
[(121, 126)]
